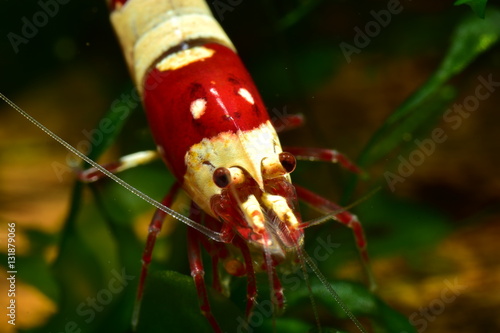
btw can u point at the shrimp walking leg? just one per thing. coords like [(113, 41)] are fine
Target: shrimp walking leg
[(154, 229), (342, 216), (198, 272), (126, 162)]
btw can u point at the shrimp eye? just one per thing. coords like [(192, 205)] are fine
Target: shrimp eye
[(288, 161), (222, 177)]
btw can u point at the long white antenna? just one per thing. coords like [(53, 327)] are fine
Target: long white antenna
[(217, 236), (331, 291)]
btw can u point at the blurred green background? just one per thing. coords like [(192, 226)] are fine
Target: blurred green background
[(436, 226)]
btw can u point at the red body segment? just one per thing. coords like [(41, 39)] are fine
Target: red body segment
[(168, 96)]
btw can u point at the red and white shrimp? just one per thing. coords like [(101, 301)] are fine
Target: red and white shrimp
[(214, 134)]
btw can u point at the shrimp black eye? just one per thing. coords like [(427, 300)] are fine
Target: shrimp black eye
[(222, 177), (288, 161)]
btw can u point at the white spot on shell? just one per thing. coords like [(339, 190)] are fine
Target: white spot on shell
[(198, 108), (246, 95)]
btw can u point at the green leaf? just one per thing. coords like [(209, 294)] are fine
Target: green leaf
[(359, 300), (477, 6), (297, 14), (471, 38), (422, 227), (170, 304), (291, 325), (81, 269), (390, 136), (110, 126), (36, 270)]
